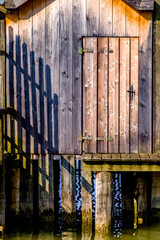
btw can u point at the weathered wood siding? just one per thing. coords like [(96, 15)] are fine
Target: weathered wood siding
[(44, 70)]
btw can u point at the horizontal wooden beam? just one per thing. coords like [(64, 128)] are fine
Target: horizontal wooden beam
[(122, 157), (120, 168), (12, 4), (142, 5)]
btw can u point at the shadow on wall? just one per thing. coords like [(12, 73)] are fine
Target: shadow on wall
[(38, 190), (35, 130)]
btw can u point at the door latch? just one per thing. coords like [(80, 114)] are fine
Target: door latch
[(131, 92)]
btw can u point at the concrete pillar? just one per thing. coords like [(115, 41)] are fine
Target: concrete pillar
[(103, 204), (68, 192), (86, 204)]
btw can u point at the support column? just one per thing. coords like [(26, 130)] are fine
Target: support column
[(46, 192), (103, 204), (86, 204), (68, 192), (2, 104)]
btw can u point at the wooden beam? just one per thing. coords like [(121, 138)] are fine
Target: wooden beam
[(12, 4), (141, 5), (121, 168)]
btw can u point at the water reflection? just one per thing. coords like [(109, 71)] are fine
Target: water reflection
[(78, 194), (117, 205), (143, 233)]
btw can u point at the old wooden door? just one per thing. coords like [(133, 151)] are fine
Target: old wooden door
[(110, 95)]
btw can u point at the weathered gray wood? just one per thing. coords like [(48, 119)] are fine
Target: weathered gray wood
[(2, 104), (39, 77), (92, 17), (145, 83), (156, 77), (10, 4), (106, 18), (141, 5), (65, 96), (78, 30), (24, 104)]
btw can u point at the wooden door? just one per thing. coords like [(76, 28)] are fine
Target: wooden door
[(110, 95)]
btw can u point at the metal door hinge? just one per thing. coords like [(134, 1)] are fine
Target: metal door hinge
[(85, 50), (81, 138)]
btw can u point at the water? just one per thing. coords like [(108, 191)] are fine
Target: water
[(143, 233)]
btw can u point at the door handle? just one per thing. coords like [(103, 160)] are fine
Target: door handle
[(131, 92)]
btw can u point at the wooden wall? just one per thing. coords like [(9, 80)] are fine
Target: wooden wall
[(44, 70)]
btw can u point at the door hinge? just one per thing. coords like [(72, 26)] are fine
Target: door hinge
[(102, 139), (84, 50), (81, 138)]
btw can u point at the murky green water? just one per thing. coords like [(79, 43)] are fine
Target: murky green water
[(143, 233)]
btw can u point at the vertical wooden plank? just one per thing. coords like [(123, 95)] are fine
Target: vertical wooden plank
[(102, 93), (11, 33), (132, 21), (68, 191), (90, 94), (134, 103), (25, 34), (118, 18), (156, 77), (78, 31), (24, 103), (66, 101), (113, 95), (86, 204), (2, 124), (103, 204), (52, 74), (145, 82), (105, 28), (39, 52), (92, 17), (124, 95)]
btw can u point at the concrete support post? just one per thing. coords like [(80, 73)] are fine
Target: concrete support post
[(103, 204), (68, 191), (86, 204)]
